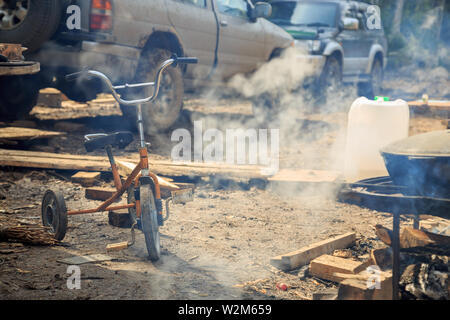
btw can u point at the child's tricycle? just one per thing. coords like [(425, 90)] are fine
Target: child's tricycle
[(143, 191)]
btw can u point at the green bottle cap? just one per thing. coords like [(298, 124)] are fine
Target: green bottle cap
[(381, 98)]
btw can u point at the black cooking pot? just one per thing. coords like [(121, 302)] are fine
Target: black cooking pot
[(421, 163)]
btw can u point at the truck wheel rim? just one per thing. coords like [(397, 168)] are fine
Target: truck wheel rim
[(13, 16)]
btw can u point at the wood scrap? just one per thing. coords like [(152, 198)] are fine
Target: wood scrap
[(298, 258), (411, 237), (366, 287), (86, 179), (96, 193), (326, 266), (381, 257), (13, 229), (384, 234), (33, 159), (17, 133)]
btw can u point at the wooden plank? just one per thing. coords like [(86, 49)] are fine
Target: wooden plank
[(16, 133), (326, 266), (99, 193), (22, 158), (366, 287), (304, 255), (432, 104), (86, 179)]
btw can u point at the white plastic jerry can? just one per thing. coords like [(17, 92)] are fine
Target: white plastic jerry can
[(372, 124)]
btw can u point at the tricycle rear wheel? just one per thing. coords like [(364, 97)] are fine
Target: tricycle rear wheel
[(54, 213)]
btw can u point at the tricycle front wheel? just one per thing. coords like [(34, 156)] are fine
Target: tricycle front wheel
[(54, 213), (149, 221)]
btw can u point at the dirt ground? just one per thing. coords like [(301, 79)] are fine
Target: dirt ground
[(216, 247)]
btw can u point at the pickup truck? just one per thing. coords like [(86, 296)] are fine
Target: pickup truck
[(126, 39)]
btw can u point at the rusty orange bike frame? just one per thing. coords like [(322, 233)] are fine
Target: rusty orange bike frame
[(133, 178)]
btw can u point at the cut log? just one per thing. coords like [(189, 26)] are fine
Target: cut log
[(16, 133), (298, 258), (326, 266), (381, 257), (366, 287), (411, 237), (99, 193), (86, 179), (120, 218), (384, 234)]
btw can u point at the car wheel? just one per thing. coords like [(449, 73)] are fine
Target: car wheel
[(331, 77), (18, 95), (375, 85), (29, 22), (160, 115)]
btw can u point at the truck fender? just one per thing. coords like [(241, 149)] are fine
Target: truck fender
[(376, 48), (146, 39), (332, 47)]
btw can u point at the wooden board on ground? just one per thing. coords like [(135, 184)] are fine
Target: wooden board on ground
[(33, 159), (16, 133), (101, 194), (303, 256), (366, 286), (86, 179), (432, 104), (326, 266)]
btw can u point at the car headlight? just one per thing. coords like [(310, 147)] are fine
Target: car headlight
[(314, 45)]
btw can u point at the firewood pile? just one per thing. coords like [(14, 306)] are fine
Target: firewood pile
[(425, 277), (425, 265), (15, 230)]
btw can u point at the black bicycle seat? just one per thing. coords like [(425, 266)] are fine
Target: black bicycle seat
[(119, 139)]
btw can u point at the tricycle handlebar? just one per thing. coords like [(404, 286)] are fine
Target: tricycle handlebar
[(174, 60)]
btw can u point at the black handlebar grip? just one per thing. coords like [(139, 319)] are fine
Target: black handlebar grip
[(187, 60)]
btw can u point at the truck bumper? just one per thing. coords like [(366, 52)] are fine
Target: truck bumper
[(116, 61)]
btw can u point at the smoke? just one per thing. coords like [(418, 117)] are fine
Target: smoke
[(311, 130)]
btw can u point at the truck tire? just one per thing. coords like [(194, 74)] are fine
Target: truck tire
[(18, 95), (160, 115), (29, 22), (374, 86), (331, 77)]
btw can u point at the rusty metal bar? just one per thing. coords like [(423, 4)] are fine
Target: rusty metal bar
[(112, 208)]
